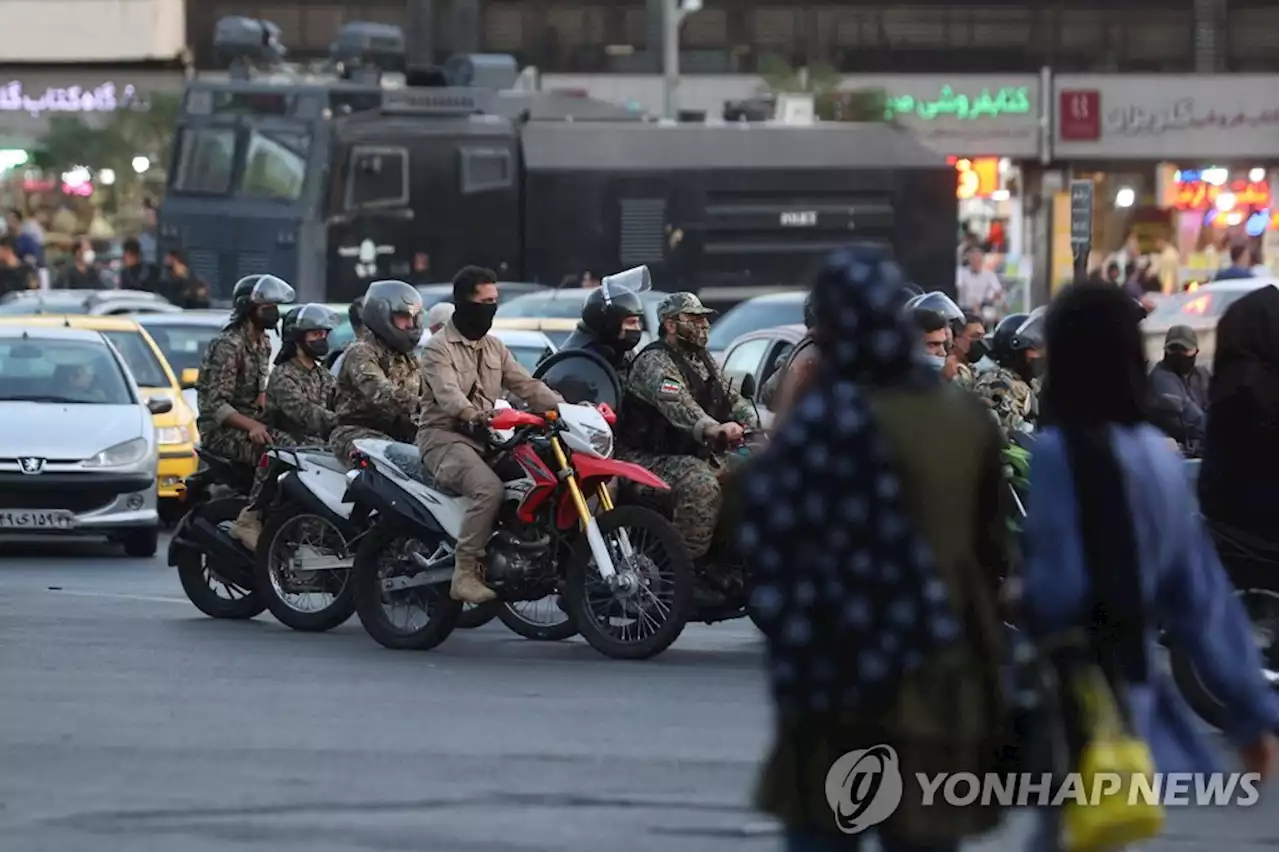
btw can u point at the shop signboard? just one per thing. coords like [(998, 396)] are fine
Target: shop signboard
[(961, 115), (1166, 117), (29, 100)]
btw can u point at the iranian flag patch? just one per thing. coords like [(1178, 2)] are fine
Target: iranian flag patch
[(669, 387)]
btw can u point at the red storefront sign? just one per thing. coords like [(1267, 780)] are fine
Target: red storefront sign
[(1080, 115)]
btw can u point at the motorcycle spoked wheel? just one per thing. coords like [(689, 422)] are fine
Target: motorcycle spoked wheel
[(1263, 607), (200, 583), (661, 561), (477, 615), (286, 530), (556, 629), (381, 554)]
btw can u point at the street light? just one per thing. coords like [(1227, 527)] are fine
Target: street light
[(673, 14), (141, 164)]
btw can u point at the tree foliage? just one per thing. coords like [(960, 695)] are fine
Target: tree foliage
[(129, 132), (822, 80)]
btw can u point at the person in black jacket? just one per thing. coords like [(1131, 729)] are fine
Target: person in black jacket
[(179, 286), (1180, 389), (82, 272), (610, 326), (134, 273), (15, 273)]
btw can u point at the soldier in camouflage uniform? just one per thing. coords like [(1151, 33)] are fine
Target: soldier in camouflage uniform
[(301, 393), (677, 403), (967, 349), (1010, 387), (380, 383), (233, 377)]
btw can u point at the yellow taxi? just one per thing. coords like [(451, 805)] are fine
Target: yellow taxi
[(176, 428)]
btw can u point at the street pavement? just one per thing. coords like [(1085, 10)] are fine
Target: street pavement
[(130, 722)]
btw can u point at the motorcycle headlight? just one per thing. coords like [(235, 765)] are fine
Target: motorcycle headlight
[(130, 452), (601, 442), (173, 435)]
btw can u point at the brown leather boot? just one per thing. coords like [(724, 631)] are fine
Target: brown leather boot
[(467, 585), (246, 528)]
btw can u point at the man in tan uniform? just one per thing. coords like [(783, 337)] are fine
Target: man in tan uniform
[(466, 369)]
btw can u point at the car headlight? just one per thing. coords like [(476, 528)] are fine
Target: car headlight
[(130, 452), (173, 435)]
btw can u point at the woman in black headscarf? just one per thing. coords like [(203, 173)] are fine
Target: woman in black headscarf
[(874, 528), (1112, 541), (1239, 480)]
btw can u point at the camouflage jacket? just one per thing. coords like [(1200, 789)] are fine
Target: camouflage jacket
[(965, 378), (379, 388), (657, 379), (233, 376), (300, 401), (1008, 396)]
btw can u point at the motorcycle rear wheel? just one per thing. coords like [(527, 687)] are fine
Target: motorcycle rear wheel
[(198, 581), (534, 630), (285, 522), (583, 586), (441, 611)]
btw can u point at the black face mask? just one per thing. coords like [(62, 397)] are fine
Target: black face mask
[(1031, 368), (629, 339), (267, 317), (317, 348), (977, 351), (1180, 362), (474, 319)]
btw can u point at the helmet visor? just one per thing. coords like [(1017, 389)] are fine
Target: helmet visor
[(634, 280), (270, 290), (316, 317), (1030, 334), (940, 303)]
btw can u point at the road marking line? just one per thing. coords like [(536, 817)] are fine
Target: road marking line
[(153, 599)]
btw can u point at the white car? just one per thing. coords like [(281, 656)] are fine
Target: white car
[(78, 450), (1200, 309)]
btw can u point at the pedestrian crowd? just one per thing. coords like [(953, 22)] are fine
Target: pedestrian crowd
[(877, 530)]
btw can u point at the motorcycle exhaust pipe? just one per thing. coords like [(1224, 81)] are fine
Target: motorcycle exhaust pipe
[(221, 549)]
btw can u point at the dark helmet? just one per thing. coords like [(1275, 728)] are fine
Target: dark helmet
[(603, 315), (1000, 340), (353, 314), (385, 299), (906, 293), (940, 303), (810, 315), (1030, 333), (253, 290), (297, 322)]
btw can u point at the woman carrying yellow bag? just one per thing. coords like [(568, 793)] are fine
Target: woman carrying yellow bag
[(1113, 547)]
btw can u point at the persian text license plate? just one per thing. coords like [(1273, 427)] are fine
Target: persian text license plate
[(33, 519)]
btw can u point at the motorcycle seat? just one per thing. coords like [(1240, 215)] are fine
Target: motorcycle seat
[(408, 461)]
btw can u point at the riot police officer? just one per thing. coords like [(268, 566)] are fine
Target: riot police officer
[(230, 391), (1016, 346), (380, 384), (301, 393), (612, 321)]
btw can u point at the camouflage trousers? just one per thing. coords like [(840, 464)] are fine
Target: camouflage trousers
[(695, 496), (343, 440), (234, 445)]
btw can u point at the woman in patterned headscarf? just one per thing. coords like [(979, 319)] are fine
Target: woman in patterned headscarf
[(875, 530)]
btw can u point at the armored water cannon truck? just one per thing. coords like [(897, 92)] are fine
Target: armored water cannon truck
[(338, 174)]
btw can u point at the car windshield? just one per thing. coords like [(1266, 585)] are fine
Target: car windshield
[(183, 345), (141, 358), (753, 316), (41, 305), (1186, 308), (61, 371), (544, 305)]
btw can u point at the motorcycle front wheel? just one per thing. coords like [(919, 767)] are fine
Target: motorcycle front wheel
[(415, 619), (639, 613), (477, 615), (539, 621), (204, 586), (1263, 608), (311, 601)]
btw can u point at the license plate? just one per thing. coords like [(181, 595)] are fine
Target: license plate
[(23, 519)]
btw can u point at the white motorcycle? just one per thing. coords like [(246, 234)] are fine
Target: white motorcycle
[(624, 572)]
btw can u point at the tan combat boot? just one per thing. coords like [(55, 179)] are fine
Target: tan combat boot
[(467, 585), (246, 528)]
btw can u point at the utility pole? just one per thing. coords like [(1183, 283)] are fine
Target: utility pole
[(673, 15)]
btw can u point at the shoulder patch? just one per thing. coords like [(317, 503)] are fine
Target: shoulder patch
[(669, 387)]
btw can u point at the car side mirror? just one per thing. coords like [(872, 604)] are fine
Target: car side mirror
[(160, 405), (189, 377), (748, 388)]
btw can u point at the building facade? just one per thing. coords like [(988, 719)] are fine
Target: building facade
[(854, 36)]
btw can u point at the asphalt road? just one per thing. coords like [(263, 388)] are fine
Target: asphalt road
[(130, 722)]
